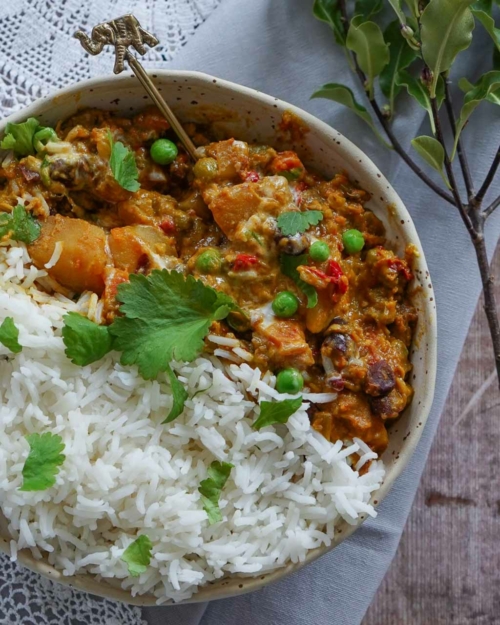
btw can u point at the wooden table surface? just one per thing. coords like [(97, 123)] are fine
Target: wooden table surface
[(447, 568)]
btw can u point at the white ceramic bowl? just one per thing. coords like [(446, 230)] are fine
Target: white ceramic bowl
[(253, 116)]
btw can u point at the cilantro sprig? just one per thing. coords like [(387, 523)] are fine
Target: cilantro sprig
[(288, 266), (166, 317), (293, 222), (19, 225), (272, 412), (211, 488), (123, 165), (138, 555), (27, 137), (43, 461), (179, 396), (9, 335), (85, 341)]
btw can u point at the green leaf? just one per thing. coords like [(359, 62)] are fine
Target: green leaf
[(19, 137), (401, 56), (481, 12), (365, 39), (420, 92), (85, 341), (396, 5), (166, 317), (343, 95), (179, 396), (446, 30), (487, 86), (122, 163), (211, 488), (19, 225), (433, 154), (466, 86), (496, 58), (138, 555), (367, 8), (328, 11), (9, 335), (288, 266), (276, 412), (43, 461), (293, 222)]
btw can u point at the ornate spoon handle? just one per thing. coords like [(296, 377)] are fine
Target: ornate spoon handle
[(121, 33)]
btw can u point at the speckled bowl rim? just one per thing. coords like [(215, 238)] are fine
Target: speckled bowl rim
[(236, 585)]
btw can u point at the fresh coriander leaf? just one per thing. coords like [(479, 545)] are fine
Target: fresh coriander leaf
[(41, 466), (166, 317), (372, 53), (138, 555), (179, 396), (211, 488), (433, 154), (86, 342), (20, 225), (446, 30), (123, 166), (288, 266), (9, 335), (276, 412), (293, 222), (19, 137)]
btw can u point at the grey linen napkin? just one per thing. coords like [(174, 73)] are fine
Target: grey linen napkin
[(277, 47)]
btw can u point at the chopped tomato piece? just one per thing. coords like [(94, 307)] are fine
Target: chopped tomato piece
[(243, 262), (251, 176)]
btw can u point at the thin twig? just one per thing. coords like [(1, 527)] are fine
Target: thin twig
[(449, 170), (487, 211), (488, 180), (384, 122), (464, 165)]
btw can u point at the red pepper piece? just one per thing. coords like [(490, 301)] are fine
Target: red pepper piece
[(252, 176), (399, 265), (243, 262), (168, 225), (338, 277)]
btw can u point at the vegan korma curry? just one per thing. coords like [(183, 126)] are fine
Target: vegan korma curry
[(322, 301)]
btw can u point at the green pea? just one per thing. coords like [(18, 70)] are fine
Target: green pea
[(285, 304), (353, 240), (238, 321), (205, 169), (319, 251), (289, 381), (209, 261), (163, 151)]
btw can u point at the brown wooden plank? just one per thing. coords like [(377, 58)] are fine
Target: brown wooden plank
[(447, 569)]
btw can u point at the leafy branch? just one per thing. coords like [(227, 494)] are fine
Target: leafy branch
[(416, 53)]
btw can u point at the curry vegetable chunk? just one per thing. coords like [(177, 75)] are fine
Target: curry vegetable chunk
[(323, 302)]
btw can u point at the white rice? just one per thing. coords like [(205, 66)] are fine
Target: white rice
[(126, 474)]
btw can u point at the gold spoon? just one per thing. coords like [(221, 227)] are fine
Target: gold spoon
[(121, 33)]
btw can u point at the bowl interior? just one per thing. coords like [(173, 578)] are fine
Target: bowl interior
[(252, 116)]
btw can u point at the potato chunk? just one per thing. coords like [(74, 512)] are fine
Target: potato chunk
[(83, 260), (152, 209), (136, 247)]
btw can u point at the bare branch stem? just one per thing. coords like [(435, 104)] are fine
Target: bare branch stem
[(464, 165), (488, 180), (487, 211), (449, 171)]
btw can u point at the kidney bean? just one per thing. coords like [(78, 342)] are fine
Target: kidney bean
[(380, 379)]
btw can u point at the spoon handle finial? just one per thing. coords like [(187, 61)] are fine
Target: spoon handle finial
[(122, 33)]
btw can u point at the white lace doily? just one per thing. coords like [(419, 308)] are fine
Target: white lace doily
[(37, 55)]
